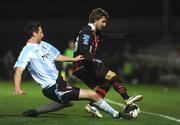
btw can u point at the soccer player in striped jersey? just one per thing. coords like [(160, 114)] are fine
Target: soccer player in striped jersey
[(39, 57), (92, 70)]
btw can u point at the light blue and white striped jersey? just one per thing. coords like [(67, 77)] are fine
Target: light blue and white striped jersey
[(39, 59)]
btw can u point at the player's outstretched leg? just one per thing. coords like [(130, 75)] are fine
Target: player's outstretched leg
[(53, 106), (121, 89)]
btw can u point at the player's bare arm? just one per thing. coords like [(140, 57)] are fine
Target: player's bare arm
[(17, 81), (65, 58)]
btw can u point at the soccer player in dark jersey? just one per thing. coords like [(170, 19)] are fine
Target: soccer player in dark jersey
[(92, 70)]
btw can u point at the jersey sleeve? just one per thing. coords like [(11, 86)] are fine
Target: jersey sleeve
[(85, 39), (23, 58)]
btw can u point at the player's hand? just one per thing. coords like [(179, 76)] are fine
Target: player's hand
[(19, 92), (79, 57)]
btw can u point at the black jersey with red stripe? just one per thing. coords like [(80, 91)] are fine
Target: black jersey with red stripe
[(87, 44)]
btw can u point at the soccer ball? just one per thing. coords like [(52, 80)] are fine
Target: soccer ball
[(133, 110)]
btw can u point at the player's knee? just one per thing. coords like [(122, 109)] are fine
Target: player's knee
[(110, 75)]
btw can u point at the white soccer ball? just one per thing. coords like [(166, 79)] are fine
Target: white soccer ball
[(134, 113), (133, 110)]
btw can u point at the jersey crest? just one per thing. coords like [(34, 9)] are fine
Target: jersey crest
[(86, 39)]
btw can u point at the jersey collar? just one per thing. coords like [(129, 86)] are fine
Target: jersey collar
[(92, 26)]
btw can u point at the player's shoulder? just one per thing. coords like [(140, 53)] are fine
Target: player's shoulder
[(26, 50), (28, 47), (44, 43), (86, 30)]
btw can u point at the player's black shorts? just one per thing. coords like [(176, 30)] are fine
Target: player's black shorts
[(92, 76), (61, 92)]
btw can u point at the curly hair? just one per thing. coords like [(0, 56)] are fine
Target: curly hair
[(31, 27), (97, 14)]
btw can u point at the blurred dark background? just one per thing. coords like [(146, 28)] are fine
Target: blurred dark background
[(151, 55)]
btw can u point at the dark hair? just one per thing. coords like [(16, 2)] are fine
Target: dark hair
[(97, 14), (31, 27)]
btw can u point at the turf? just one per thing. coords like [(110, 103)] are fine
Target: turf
[(157, 99)]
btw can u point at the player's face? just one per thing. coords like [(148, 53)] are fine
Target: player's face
[(101, 23), (39, 35)]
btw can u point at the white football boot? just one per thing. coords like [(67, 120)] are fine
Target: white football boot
[(93, 110), (133, 99)]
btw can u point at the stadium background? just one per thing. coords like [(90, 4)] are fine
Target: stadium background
[(154, 50)]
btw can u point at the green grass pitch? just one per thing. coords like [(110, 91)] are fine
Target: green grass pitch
[(160, 106)]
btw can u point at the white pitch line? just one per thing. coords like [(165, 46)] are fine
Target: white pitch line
[(149, 113)]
